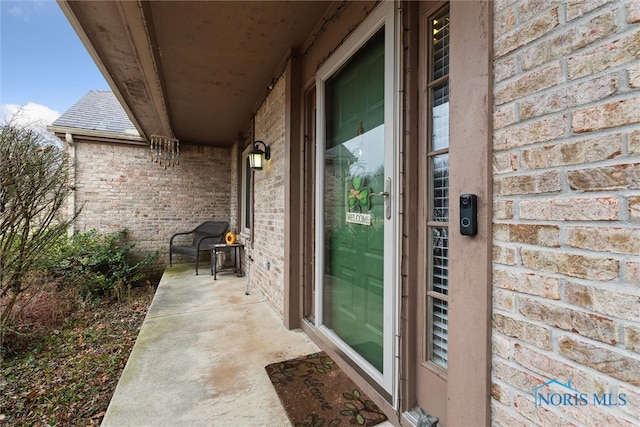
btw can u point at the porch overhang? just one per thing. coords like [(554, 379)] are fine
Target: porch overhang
[(196, 70)]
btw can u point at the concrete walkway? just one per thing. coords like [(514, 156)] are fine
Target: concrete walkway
[(199, 358)]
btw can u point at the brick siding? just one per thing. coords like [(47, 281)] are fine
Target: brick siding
[(118, 187), (566, 258), (268, 208)]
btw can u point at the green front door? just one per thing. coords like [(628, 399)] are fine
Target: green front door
[(354, 213)]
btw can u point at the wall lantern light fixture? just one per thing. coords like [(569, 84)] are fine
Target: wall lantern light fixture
[(257, 157)]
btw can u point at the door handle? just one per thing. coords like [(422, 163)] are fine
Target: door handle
[(387, 199)]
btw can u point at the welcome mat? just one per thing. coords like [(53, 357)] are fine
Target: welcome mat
[(316, 392)]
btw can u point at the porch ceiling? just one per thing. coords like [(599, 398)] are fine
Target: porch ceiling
[(197, 69)]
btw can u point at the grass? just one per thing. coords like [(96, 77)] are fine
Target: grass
[(64, 372)]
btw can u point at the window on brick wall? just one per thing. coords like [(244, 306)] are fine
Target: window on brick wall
[(438, 199), (245, 208)]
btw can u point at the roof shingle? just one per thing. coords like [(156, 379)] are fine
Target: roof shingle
[(98, 111)]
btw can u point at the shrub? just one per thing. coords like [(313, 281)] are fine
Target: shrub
[(100, 265), (34, 185)]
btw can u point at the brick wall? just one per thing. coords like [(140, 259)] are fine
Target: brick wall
[(235, 183), (566, 272), (268, 217), (120, 188)]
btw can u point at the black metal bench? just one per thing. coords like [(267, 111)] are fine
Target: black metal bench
[(205, 236)]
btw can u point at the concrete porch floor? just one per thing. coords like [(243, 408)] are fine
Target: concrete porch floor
[(200, 355)]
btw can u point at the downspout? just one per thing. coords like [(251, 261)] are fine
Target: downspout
[(70, 147)]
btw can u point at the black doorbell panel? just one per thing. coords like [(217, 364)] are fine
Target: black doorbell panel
[(468, 214)]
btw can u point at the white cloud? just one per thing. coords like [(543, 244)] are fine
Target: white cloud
[(16, 11), (31, 115), (24, 9)]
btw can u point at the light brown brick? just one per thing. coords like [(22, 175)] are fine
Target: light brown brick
[(522, 330), (500, 5), (570, 209), (500, 346), (529, 9), (503, 300), (504, 255), (504, 69), (504, 162), (586, 324), (605, 239), (566, 97), (529, 83), (503, 209), (530, 234), (633, 12), (601, 358), (501, 418), (620, 51), (524, 404), (504, 115), (504, 22), (577, 8), (516, 376), (613, 303), (616, 177), (569, 40), (634, 143), (499, 393), (633, 402), (524, 34), (575, 152), (614, 114), (596, 415), (632, 273), (546, 182), (551, 366), (527, 282), (632, 338), (531, 132), (573, 265), (634, 208), (633, 74)]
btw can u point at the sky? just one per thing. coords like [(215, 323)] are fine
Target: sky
[(44, 67)]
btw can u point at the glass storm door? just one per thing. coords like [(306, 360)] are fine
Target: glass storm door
[(355, 226)]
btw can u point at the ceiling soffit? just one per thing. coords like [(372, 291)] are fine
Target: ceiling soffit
[(192, 69)]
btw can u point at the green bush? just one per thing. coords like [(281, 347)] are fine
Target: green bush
[(100, 265)]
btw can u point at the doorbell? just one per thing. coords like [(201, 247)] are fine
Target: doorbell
[(468, 214)]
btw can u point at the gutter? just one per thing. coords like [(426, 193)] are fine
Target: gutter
[(65, 132)]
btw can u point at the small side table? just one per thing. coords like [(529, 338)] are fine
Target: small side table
[(223, 247)]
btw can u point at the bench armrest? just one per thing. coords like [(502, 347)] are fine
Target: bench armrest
[(180, 234)]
